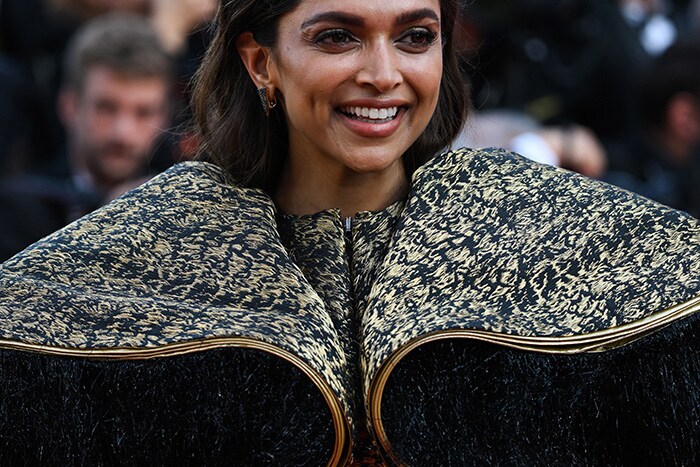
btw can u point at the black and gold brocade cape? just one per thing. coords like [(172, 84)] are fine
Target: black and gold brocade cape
[(507, 313)]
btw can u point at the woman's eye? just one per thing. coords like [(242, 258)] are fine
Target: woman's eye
[(418, 39), (334, 38)]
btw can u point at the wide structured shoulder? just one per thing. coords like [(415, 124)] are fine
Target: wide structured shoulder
[(492, 242), (185, 258), (187, 267), (516, 295)]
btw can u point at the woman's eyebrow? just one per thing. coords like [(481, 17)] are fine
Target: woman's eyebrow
[(354, 20), (416, 15), (334, 17)]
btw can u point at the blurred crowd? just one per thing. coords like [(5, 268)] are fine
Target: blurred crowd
[(93, 102), (609, 88), (94, 96)]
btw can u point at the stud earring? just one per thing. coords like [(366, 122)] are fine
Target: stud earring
[(268, 100)]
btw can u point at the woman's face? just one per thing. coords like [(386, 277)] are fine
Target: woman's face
[(360, 79)]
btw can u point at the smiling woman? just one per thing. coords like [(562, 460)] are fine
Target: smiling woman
[(335, 68), (324, 288)]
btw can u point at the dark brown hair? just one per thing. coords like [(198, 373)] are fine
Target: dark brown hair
[(122, 42), (236, 135)]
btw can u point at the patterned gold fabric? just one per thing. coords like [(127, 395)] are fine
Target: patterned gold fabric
[(489, 241), (487, 246), (493, 247)]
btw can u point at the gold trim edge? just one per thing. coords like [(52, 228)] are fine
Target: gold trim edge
[(343, 442), (597, 341)]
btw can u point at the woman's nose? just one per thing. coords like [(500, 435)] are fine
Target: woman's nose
[(380, 67)]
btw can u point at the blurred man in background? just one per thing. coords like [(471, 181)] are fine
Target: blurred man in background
[(114, 102), (33, 38), (115, 105)]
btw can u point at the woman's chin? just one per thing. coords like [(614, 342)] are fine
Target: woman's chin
[(367, 164), (375, 157)]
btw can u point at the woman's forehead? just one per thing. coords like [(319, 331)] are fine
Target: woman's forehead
[(364, 10)]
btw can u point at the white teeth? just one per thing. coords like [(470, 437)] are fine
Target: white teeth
[(372, 113)]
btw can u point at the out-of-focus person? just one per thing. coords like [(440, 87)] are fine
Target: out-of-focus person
[(114, 103), (665, 153), (180, 26), (115, 106), (33, 38)]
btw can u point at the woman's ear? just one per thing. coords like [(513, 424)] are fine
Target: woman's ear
[(257, 60)]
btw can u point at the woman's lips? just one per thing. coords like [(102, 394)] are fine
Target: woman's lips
[(372, 122), (371, 113)]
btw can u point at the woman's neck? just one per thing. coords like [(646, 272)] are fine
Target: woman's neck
[(303, 190)]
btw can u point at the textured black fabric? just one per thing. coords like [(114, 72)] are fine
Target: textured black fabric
[(462, 402), (487, 243), (227, 406)]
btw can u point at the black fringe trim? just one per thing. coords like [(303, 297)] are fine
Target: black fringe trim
[(220, 407), (462, 402)]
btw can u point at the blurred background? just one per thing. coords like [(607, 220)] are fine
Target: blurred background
[(608, 88)]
